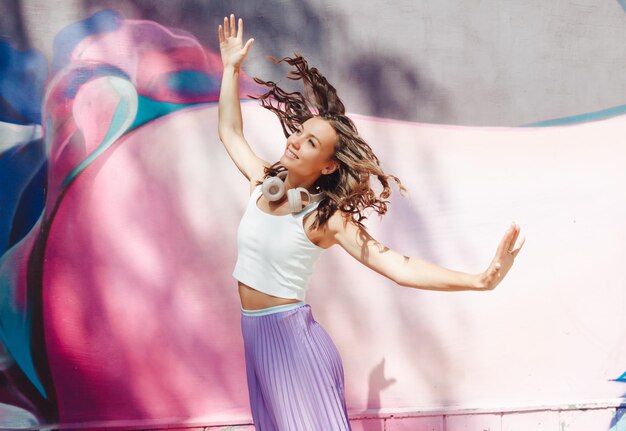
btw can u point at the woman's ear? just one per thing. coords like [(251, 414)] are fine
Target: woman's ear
[(332, 167)]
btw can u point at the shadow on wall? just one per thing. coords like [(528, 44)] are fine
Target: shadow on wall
[(384, 95), (377, 383), (73, 151), (390, 87), (384, 86), (80, 133), (12, 24)]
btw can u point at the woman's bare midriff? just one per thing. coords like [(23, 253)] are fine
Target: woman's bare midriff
[(252, 299)]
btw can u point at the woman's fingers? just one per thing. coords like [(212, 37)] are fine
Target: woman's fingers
[(500, 265), (226, 28), (512, 243), (516, 251), (508, 241), (504, 243), (230, 35), (240, 29), (246, 48), (231, 28), (514, 236)]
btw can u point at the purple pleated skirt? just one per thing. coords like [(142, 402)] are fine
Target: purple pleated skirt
[(295, 374)]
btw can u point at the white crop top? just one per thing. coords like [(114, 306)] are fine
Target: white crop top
[(274, 254)]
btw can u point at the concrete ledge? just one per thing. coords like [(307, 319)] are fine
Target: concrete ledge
[(598, 415)]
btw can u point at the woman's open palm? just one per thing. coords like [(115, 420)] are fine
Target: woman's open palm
[(503, 260), (231, 42)]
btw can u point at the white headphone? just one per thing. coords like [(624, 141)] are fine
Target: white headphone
[(273, 189)]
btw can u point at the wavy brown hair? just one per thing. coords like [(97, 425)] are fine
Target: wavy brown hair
[(348, 187)]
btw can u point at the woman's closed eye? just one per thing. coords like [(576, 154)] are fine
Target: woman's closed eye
[(300, 131)]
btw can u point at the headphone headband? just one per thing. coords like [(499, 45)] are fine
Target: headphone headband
[(273, 189)]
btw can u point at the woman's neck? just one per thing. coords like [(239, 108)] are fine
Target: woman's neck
[(292, 182)]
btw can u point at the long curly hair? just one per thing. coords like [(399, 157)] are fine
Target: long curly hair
[(348, 187)]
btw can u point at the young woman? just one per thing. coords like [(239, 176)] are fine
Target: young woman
[(294, 372)]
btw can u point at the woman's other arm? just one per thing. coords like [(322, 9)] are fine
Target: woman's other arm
[(417, 273), (230, 124)]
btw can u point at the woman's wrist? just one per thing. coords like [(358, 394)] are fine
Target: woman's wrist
[(480, 282), (232, 68)]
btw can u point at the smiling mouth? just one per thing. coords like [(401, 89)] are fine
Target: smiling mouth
[(291, 154)]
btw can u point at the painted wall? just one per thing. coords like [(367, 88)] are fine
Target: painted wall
[(427, 61), (120, 208)]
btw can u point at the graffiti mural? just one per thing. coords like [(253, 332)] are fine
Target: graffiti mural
[(110, 76), (22, 194), (118, 213)]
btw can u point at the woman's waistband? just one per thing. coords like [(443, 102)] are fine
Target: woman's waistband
[(272, 310)]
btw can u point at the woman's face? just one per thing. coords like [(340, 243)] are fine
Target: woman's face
[(310, 149)]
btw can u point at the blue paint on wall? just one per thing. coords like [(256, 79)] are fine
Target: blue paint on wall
[(22, 183), (582, 118), (22, 78), (193, 83), (16, 320), (150, 109)]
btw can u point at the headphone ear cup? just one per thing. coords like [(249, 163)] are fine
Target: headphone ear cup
[(273, 188), (294, 196)]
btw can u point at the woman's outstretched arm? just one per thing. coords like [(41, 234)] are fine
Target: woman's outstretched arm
[(417, 273), (230, 123)]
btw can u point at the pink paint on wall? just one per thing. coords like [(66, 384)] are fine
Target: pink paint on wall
[(138, 309), (483, 422), (424, 423), (143, 312), (536, 421), (534, 339), (584, 420), (147, 52)]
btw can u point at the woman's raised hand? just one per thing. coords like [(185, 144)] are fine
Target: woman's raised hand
[(503, 260), (231, 42)]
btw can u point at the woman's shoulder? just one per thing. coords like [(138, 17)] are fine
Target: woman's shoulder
[(340, 220), (339, 225)]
